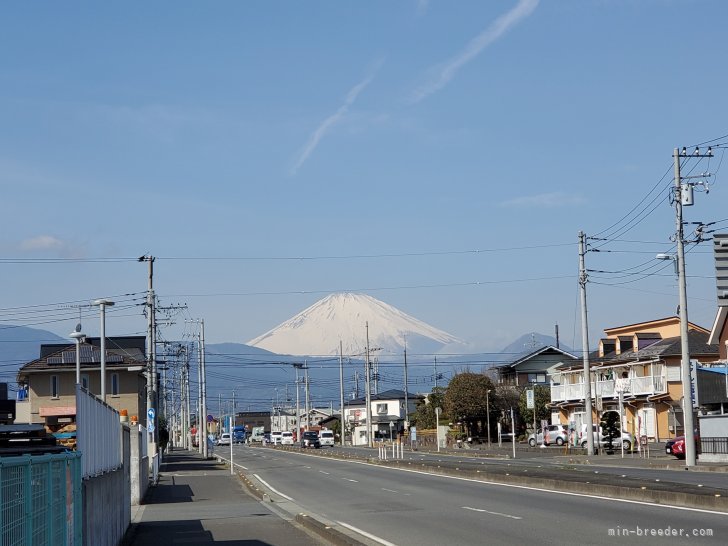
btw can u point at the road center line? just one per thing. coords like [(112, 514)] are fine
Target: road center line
[(368, 535), (492, 513), (390, 490), (322, 472), (350, 480), (261, 480)]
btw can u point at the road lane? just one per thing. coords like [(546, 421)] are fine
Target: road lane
[(415, 508)]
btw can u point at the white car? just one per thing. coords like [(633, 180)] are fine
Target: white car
[(224, 439), (583, 439), (286, 438), (326, 437), (275, 437)]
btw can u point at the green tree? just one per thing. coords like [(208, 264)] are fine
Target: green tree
[(542, 399), (465, 400), (424, 416)]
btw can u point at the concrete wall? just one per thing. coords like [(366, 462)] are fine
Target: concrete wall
[(139, 466), (107, 503)]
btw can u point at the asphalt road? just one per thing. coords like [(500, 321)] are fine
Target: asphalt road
[(408, 507), (617, 467)]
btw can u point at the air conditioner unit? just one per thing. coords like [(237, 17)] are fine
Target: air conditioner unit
[(670, 428)]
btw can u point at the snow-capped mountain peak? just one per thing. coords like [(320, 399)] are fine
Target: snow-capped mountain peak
[(343, 317)]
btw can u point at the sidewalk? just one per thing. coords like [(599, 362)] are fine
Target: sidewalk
[(200, 502)]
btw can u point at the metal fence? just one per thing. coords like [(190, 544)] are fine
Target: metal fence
[(714, 445), (40, 500), (98, 434)]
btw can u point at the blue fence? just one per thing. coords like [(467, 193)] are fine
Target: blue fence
[(40, 500)]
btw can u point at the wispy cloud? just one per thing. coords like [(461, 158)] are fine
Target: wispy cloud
[(48, 244), (498, 28), (41, 242), (544, 200), (326, 125)]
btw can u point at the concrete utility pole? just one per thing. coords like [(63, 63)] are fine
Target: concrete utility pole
[(204, 384), (682, 193), (585, 347), (341, 392), (200, 434), (436, 384), (298, 404), (151, 358), (370, 440), (308, 407), (406, 395)]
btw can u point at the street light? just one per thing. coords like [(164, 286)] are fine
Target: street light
[(78, 336), (102, 303)]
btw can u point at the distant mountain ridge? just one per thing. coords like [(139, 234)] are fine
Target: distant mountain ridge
[(529, 343)]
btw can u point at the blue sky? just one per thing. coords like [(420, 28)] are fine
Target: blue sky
[(379, 143)]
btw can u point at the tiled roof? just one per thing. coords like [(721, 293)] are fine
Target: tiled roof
[(697, 342), (65, 359)]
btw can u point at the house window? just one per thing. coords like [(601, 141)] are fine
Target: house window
[(537, 378), (114, 384), (54, 386), (84, 381), (382, 409)]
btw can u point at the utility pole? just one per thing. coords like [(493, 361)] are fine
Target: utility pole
[(585, 347), (356, 384), (151, 357), (370, 440), (341, 392), (436, 372), (406, 388), (308, 407), (200, 432), (683, 196), (204, 383), (298, 405)]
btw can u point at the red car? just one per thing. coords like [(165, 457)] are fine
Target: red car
[(676, 446)]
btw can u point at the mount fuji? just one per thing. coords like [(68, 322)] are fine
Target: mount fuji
[(343, 317)]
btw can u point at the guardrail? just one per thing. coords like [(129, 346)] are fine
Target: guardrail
[(98, 433)]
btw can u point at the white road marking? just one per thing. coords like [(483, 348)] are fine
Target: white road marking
[(350, 480), (390, 490), (261, 480), (492, 513), (322, 472), (368, 535)]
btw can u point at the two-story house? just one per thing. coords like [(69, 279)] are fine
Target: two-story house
[(49, 382), (388, 415), (643, 361), (535, 367)]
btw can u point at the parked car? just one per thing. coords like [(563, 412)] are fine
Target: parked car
[(224, 439), (554, 434), (326, 437), (310, 438), (286, 438), (676, 446), (603, 440), (275, 437)]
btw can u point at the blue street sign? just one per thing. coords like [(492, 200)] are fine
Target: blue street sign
[(150, 414)]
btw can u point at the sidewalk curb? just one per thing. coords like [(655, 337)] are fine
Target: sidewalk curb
[(325, 531)]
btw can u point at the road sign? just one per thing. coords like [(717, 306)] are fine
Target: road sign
[(150, 414), (530, 403)]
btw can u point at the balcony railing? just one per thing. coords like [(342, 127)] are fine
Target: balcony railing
[(645, 385)]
